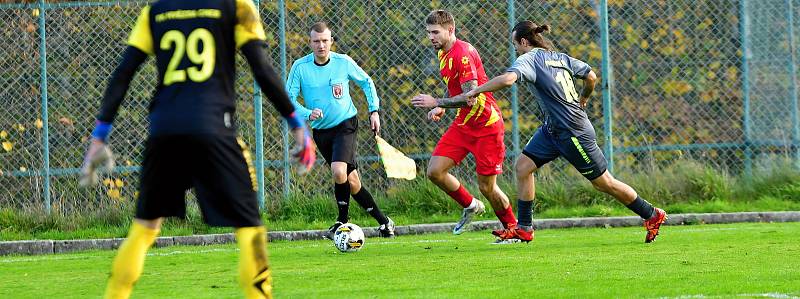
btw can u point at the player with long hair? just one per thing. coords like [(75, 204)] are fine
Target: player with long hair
[(566, 132)]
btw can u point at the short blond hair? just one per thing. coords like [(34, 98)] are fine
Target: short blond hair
[(319, 27)]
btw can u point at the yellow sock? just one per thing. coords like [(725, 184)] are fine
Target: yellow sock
[(255, 277), (129, 262)]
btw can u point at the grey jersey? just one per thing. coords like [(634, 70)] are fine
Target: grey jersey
[(549, 76)]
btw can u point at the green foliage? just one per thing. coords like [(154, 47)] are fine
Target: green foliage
[(674, 84), (684, 187)]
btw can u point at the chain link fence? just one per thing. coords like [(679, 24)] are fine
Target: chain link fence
[(712, 81)]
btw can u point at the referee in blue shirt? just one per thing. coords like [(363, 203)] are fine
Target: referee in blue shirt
[(323, 79)]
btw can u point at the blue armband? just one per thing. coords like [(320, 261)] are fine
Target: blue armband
[(294, 121), (101, 130)]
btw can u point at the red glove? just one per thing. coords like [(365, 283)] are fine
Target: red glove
[(304, 151)]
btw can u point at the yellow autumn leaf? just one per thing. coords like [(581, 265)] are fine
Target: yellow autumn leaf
[(38, 123), (23, 168), (20, 128), (3, 134), (706, 97), (108, 182), (113, 193), (128, 163), (431, 81), (8, 146), (119, 183)]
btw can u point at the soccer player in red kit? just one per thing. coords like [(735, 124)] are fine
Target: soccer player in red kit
[(477, 129)]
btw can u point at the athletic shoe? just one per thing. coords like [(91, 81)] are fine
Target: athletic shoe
[(506, 241), (466, 216), (387, 230), (512, 235), (500, 232), (332, 230), (653, 224)]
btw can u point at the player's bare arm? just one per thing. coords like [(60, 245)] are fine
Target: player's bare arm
[(588, 88), (437, 113), (446, 95), (459, 101), (497, 83), (467, 87), (428, 101), (375, 122)]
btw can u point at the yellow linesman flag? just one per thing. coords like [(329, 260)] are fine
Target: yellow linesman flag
[(396, 164)]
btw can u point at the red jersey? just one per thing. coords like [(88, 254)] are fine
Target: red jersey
[(461, 64)]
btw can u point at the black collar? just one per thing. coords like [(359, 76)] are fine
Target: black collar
[(324, 64)]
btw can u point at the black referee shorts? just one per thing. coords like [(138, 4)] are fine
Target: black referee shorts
[(218, 167), (339, 143)]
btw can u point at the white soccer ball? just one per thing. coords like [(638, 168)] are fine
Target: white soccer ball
[(348, 238)]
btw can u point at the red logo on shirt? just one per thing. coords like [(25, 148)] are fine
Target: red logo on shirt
[(337, 90)]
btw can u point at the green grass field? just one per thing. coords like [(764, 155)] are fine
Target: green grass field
[(701, 261)]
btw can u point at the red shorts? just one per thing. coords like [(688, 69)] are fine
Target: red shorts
[(489, 150)]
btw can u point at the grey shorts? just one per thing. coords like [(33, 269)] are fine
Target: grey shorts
[(581, 151)]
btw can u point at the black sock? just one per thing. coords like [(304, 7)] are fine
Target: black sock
[(342, 194), (642, 208), (525, 213), (366, 201)]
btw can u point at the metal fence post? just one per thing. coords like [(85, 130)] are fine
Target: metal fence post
[(744, 24), (607, 84), (259, 123), (514, 96), (285, 127), (793, 77), (45, 126)]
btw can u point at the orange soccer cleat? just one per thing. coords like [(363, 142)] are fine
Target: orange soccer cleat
[(513, 234), (653, 224)]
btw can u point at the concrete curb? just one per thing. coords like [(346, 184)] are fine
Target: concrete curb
[(37, 247)]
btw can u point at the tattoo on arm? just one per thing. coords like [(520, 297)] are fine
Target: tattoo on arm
[(458, 101), (469, 85)]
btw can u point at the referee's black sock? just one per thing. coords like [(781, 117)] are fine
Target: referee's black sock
[(342, 194), (364, 198)]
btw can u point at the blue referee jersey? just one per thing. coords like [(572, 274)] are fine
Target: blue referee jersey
[(326, 87)]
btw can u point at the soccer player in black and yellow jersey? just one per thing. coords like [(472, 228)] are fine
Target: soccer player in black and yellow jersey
[(192, 141)]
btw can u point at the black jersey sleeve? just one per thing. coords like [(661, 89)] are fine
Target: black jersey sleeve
[(266, 77), (119, 83)]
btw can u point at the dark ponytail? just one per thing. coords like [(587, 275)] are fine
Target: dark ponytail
[(533, 34)]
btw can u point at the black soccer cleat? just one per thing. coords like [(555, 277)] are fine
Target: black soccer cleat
[(332, 230)]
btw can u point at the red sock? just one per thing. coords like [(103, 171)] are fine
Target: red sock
[(506, 217), (462, 196)]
